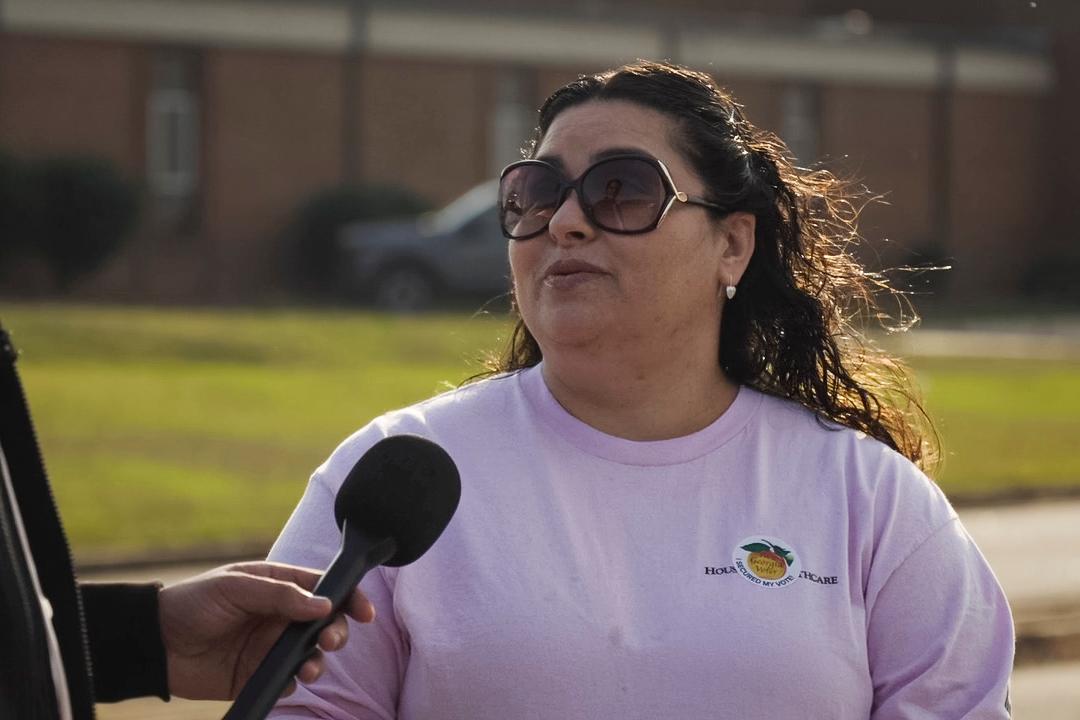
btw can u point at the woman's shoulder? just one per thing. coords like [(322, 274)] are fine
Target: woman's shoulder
[(872, 473), (474, 410), (887, 506), (796, 425), (475, 401)]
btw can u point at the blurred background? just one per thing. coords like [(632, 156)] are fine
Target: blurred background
[(220, 218), (235, 117)]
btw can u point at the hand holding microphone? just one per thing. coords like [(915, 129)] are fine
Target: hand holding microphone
[(216, 627), (391, 508)]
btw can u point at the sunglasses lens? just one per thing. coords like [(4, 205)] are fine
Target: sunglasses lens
[(624, 194), (528, 197)]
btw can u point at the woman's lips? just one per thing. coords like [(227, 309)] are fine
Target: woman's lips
[(569, 274)]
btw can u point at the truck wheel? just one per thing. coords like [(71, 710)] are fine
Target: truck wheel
[(405, 288)]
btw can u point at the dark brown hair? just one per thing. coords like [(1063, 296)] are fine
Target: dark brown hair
[(793, 329)]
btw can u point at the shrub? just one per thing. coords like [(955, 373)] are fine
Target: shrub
[(1053, 279), (16, 210), (314, 253), (73, 212), (88, 210)]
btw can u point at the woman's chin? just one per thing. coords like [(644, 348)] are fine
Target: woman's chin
[(571, 328)]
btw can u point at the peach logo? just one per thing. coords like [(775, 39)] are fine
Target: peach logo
[(766, 561)]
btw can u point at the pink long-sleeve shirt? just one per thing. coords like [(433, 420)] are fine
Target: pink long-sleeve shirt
[(769, 566)]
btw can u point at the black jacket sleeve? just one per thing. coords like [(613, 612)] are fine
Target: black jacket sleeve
[(127, 654)]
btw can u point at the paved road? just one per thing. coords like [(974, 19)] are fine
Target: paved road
[(1039, 692), (1047, 692), (1039, 585), (1009, 343), (1034, 549)]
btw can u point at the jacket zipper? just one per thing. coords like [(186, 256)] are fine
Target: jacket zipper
[(24, 616), (85, 708)]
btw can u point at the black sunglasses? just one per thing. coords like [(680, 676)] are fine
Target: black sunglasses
[(624, 194)]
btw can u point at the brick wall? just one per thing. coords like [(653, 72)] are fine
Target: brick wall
[(272, 133), (273, 130), (71, 96)]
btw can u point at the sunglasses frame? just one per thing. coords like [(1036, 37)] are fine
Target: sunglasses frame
[(671, 194)]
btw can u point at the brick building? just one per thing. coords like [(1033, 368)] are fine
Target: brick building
[(232, 112)]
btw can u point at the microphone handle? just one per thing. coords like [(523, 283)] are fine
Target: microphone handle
[(357, 555)]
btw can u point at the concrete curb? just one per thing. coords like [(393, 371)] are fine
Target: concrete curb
[(1047, 634), (247, 550), (974, 343), (111, 562), (1015, 496)]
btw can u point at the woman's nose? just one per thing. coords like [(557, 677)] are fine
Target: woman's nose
[(569, 223)]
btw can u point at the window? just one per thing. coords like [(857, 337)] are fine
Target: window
[(173, 141), (513, 118), (801, 129), (172, 137)]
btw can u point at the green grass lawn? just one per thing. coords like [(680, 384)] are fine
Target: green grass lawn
[(169, 428), (180, 428), (1005, 424)]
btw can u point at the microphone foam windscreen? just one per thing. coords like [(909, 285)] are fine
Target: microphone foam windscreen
[(405, 487)]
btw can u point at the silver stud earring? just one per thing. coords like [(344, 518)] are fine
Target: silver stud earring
[(730, 292)]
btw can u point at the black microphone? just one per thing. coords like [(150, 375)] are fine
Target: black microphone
[(392, 507)]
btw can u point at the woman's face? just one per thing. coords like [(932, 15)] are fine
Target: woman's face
[(577, 285)]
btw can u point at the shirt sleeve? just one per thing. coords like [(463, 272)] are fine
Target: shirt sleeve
[(362, 681), (123, 629), (940, 634)]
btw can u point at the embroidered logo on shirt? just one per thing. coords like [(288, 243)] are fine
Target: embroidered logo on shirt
[(766, 561)]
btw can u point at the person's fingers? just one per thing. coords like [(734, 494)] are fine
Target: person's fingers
[(333, 636), (311, 669), (302, 576), (267, 596), (358, 606)]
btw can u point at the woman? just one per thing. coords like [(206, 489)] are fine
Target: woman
[(685, 494)]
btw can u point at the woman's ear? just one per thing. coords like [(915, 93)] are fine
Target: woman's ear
[(737, 235)]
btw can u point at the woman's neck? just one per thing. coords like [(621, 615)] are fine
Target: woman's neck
[(653, 398)]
